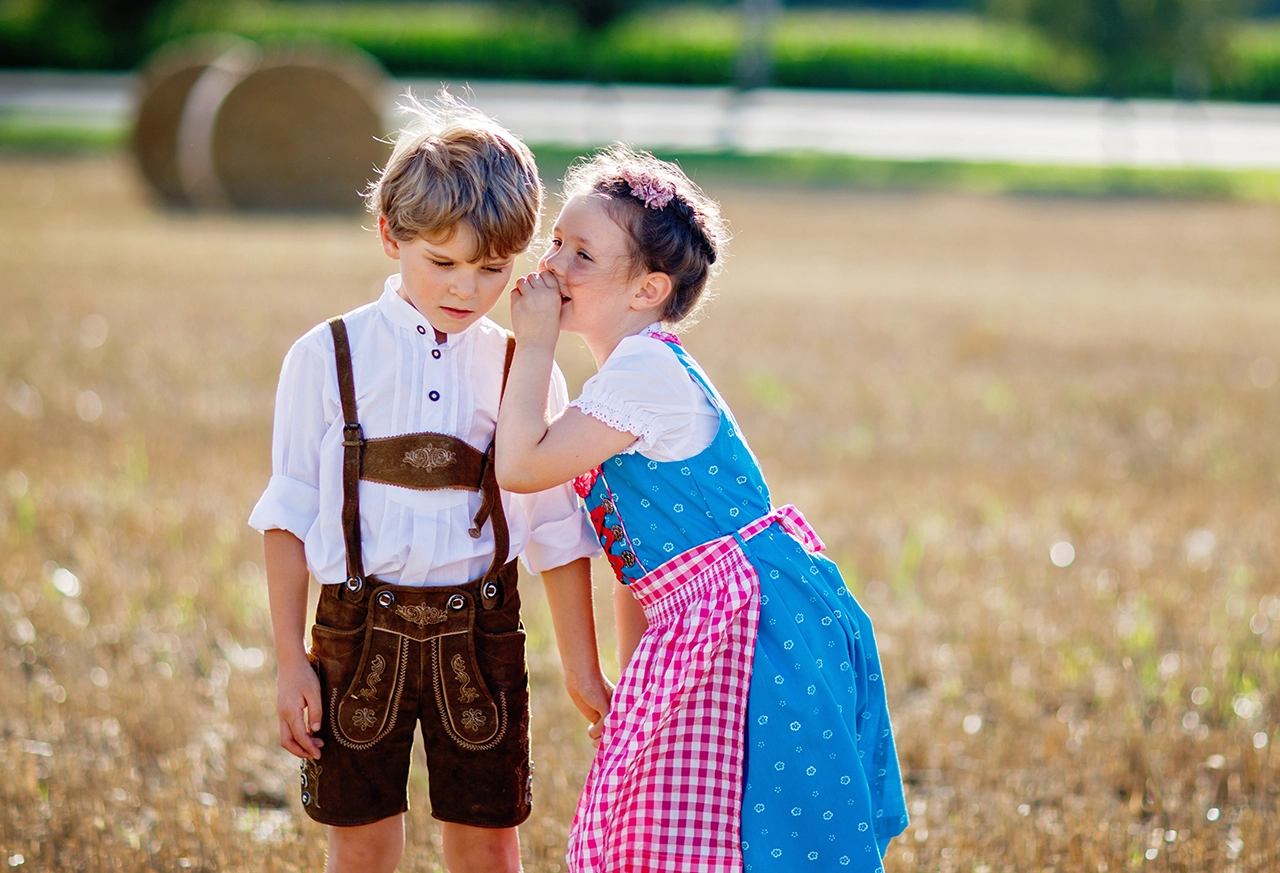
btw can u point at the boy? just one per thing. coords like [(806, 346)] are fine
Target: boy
[(383, 489)]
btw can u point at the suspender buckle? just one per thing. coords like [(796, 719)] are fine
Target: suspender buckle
[(352, 435)]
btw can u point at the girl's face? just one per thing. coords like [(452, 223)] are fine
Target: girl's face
[(590, 256)]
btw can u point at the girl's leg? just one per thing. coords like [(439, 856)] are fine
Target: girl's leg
[(470, 849), (371, 848)]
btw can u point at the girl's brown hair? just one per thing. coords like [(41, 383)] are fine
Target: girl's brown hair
[(678, 232)]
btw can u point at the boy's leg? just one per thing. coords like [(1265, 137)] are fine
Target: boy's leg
[(370, 848), (481, 850)]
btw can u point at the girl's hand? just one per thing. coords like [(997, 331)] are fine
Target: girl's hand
[(593, 697), (535, 309)]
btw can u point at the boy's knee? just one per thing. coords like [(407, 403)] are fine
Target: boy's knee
[(371, 848), (481, 850)]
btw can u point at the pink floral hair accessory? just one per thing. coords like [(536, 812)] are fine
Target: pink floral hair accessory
[(655, 191)]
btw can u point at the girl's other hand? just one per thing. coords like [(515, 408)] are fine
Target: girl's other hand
[(593, 696), (535, 308)]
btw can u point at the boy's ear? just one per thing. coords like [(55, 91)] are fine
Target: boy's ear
[(390, 244), (653, 293)]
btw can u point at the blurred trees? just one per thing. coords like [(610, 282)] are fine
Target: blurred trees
[(1135, 42), (77, 33), (597, 14)]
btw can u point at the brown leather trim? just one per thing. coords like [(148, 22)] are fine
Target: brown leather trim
[(423, 461), (506, 365), (352, 443)]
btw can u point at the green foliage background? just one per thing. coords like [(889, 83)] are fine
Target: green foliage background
[(1021, 51)]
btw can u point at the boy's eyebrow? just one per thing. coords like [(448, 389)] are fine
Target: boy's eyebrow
[(486, 259)]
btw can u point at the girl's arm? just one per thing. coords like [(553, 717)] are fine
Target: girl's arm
[(297, 688), (535, 452), (569, 596)]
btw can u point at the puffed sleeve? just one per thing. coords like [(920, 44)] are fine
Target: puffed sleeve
[(559, 531), (643, 389), (292, 499)]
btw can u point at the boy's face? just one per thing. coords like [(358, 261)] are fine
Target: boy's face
[(441, 281)]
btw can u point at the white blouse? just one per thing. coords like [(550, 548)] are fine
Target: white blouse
[(405, 383), (643, 389)]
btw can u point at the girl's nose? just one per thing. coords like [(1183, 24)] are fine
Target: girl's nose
[(551, 263)]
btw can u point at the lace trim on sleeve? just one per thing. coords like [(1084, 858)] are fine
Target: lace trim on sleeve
[(631, 421)]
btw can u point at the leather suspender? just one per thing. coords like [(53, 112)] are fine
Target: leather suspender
[(352, 443), (423, 461)]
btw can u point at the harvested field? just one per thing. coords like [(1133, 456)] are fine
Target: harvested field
[(1041, 436)]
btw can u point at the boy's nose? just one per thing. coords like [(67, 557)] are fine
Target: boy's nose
[(464, 288)]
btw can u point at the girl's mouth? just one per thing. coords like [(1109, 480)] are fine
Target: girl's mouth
[(458, 314)]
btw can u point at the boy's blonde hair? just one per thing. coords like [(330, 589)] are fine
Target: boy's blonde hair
[(452, 165)]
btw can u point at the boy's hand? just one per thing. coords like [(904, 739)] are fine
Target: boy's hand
[(298, 706), (535, 309)]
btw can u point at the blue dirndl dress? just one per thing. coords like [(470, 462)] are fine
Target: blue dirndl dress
[(821, 784)]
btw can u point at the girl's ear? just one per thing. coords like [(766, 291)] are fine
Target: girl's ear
[(390, 244), (653, 294)]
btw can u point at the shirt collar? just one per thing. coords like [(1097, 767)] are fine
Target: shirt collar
[(402, 313)]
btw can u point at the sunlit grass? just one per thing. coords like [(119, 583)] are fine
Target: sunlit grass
[(949, 386)]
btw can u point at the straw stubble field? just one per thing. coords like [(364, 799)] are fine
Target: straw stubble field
[(1040, 436)]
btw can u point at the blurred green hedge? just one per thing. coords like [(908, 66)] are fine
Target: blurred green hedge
[(688, 44)]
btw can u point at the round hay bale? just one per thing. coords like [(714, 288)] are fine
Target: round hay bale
[(300, 132), (166, 82)]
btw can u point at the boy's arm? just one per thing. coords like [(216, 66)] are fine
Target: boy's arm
[(297, 688), (569, 596)]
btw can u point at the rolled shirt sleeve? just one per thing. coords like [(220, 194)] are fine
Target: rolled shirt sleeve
[(291, 500)]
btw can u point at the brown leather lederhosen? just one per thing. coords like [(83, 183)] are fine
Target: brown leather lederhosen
[(391, 656)]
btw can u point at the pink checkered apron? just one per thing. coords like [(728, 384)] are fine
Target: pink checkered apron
[(665, 789)]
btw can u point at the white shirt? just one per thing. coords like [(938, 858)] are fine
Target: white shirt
[(644, 389), (409, 537)]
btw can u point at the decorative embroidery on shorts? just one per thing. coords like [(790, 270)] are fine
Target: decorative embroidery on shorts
[(442, 707), (466, 693), (371, 682), (473, 719), (396, 693), (364, 718), (421, 615), (429, 458)]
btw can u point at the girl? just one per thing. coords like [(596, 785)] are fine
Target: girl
[(749, 727)]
